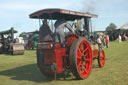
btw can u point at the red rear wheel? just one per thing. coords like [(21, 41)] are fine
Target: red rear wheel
[(81, 58), (101, 58)]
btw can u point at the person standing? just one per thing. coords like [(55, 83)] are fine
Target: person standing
[(59, 29), (107, 41), (120, 39), (99, 41), (45, 32)]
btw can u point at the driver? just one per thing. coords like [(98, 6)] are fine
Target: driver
[(59, 27), (45, 32)]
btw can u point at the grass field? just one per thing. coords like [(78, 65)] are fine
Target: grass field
[(22, 69)]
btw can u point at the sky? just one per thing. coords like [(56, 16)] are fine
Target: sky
[(15, 13)]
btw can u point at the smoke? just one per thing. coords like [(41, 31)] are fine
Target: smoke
[(124, 26), (88, 6)]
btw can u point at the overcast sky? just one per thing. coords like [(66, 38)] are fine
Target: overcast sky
[(15, 13)]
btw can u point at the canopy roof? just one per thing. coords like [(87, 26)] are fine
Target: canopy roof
[(33, 32), (59, 14), (7, 32)]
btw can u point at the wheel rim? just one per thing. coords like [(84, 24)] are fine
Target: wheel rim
[(84, 59), (102, 58)]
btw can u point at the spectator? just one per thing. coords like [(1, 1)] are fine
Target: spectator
[(99, 41), (120, 39), (107, 41)]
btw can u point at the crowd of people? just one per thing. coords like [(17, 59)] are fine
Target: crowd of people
[(122, 37), (103, 41)]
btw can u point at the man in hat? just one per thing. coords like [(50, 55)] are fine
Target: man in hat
[(45, 32)]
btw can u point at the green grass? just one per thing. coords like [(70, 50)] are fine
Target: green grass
[(22, 69)]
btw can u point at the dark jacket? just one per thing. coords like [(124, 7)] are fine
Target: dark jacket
[(45, 33)]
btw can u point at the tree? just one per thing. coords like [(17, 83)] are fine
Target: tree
[(111, 27), (21, 34)]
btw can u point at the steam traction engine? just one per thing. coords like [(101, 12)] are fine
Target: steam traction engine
[(80, 49), (10, 45)]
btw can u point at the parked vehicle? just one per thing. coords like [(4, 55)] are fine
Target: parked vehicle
[(9, 45), (31, 39)]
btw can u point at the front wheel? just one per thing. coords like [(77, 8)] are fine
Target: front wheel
[(101, 58)]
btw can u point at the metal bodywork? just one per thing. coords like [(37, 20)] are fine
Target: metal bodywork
[(8, 46), (54, 59)]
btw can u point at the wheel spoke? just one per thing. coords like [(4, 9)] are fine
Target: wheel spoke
[(84, 51), (87, 60), (101, 58), (80, 63), (86, 54), (85, 70), (80, 67), (83, 67), (79, 50)]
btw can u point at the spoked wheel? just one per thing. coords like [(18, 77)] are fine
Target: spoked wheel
[(101, 58), (81, 58)]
